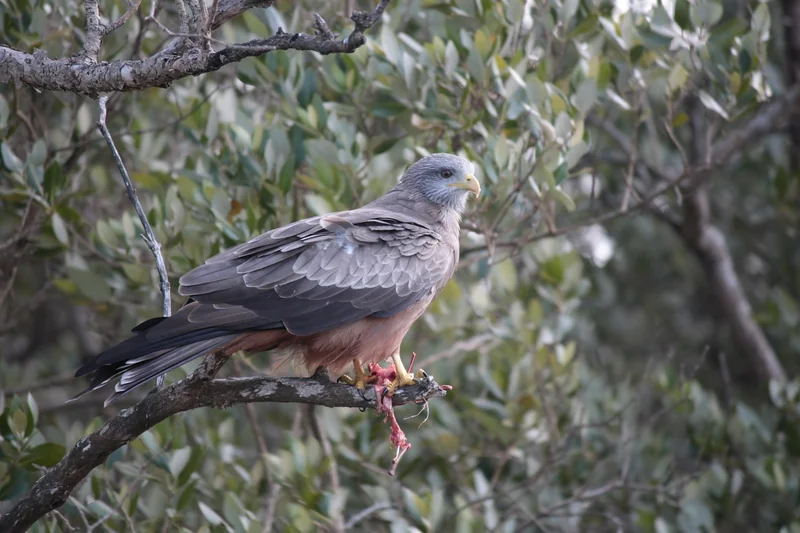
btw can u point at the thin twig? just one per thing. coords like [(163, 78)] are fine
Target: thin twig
[(133, 7), (149, 237), (361, 515), (212, 14)]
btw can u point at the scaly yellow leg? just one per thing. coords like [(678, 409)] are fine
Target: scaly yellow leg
[(362, 378)]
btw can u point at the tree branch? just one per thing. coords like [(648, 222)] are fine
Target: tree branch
[(196, 390), (711, 249), (149, 237), (93, 37), (76, 76), (133, 6)]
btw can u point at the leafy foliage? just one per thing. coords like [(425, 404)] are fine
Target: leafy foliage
[(596, 388)]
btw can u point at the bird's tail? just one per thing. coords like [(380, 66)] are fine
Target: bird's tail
[(148, 363)]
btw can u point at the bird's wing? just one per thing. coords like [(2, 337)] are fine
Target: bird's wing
[(320, 273)]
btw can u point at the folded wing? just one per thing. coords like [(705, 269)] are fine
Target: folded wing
[(308, 277)]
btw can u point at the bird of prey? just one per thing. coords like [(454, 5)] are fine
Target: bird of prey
[(329, 290)]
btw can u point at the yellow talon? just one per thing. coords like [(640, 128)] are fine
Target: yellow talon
[(404, 378), (362, 378)]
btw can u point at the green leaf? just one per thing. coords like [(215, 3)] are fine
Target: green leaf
[(178, 460), (33, 414), (38, 154), (213, 518), (90, 284), (501, 153), (712, 105), (483, 45), (391, 48), (186, 496), (677, 77), (563, 199), (317, 204), (47, 455), (53, 182), (585, 96), (286, 176), (636, 53), (60, 229), (561, 173), (475, 66), (10, 161), (386, 106), (760, 22), (451, 59), (18, 422)]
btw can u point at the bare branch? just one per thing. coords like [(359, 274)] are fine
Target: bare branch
[(149, 237), (71, 75), (133, 7), (322, 27), (212, 14), (365, 513), (197, 390)]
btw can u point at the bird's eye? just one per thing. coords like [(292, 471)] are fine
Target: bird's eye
[(446, 173)]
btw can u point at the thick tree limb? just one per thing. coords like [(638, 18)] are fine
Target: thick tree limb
[(709, 244), (77, 75), (197, 390), (711, 248), (93, 38)]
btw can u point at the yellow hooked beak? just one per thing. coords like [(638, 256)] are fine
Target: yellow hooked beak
[(469, 184)]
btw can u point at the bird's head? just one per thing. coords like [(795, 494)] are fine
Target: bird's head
[(444, 179)]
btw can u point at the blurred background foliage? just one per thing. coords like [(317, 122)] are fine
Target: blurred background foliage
[(597, 386)]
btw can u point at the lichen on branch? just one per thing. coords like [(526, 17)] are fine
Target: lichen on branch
[(85, 74)]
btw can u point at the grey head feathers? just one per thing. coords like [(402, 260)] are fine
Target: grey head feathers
[(445, 180)]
